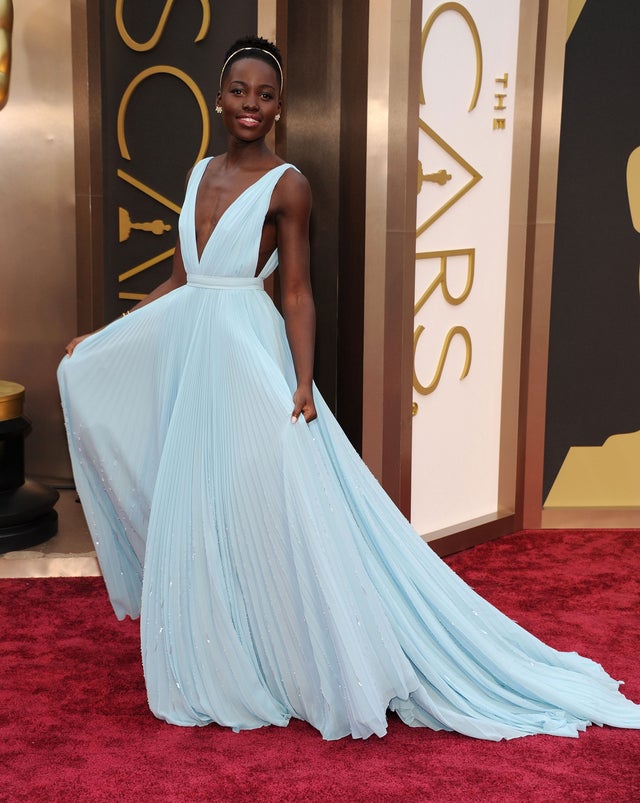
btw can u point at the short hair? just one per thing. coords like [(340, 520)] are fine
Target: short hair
[(253, 47)]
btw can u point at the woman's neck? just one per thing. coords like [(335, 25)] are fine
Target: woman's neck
[(247, 154)]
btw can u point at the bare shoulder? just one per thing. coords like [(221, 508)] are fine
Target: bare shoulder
[(292, 193)]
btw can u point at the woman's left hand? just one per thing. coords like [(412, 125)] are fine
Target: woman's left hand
[(71, 345), (303, 403)]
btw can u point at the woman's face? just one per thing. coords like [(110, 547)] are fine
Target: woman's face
[(250, 98)]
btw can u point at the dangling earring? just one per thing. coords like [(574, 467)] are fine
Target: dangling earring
[(218, 109), (277, 117)]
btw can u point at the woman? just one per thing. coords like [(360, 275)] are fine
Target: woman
[(274, 577)]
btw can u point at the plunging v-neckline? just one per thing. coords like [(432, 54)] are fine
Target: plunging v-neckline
[(200, 256)]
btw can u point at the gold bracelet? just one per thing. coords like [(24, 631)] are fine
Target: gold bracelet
[(124, 314)]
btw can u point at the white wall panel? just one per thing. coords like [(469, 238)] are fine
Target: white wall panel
[(456, 426)]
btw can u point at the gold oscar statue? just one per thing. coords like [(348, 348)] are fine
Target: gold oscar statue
[(125, 225), (441, 177), (6, 24)]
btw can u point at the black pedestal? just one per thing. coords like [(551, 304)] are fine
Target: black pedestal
[(27, 517)]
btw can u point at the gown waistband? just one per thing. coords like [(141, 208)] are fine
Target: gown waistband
[(235, 282)]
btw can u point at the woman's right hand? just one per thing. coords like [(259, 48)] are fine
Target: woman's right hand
[(69, 348)]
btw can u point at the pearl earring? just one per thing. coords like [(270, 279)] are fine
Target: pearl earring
[(218, 109), (277, 117)]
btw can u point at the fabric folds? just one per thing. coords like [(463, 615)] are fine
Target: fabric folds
[(273, 576)]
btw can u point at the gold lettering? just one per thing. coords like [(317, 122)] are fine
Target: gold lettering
[(500, 123), (132, 296), (146, 265), (142, 47), (441, 278), (158, 70), (474, 176), (466, 16), (425, 390), (500, 105), (148, 191)]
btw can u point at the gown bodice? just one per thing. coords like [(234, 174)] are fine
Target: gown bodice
[(232, 249)]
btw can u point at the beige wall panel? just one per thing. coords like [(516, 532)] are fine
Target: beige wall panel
[(393, 82), (37, 210), (541, 233), (510, 457)]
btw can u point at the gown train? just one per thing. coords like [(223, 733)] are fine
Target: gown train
[(273, 576)]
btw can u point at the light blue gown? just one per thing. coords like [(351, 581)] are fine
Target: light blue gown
[(273, 576)]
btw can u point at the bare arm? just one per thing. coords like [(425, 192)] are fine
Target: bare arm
[(292, 221)]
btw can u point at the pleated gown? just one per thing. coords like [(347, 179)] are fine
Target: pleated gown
[(273, 576)]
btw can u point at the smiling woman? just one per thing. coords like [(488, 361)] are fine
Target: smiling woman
[(254, 105), (273, 575)]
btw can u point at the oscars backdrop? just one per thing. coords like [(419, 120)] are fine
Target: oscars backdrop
[(160, 69), (469, 57), (592, 454)]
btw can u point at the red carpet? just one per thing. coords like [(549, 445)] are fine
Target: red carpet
[(74, 723)]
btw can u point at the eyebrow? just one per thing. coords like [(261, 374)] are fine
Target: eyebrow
[(244, 83)]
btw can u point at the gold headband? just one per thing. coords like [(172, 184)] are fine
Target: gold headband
[(240, 50)]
